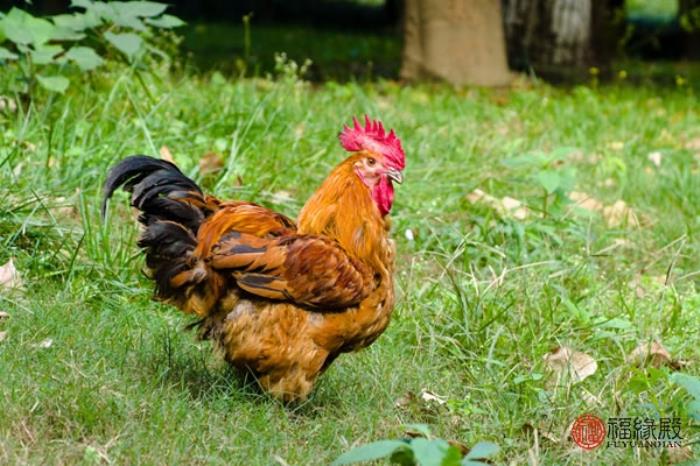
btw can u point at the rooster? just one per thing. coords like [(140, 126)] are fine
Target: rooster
[(281, 299)]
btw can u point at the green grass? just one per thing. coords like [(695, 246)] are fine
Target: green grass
[(124, 383), (335, 55)]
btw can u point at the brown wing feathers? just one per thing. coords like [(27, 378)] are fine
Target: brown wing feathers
[(306, 269)]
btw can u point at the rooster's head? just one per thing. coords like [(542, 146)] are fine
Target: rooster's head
[(379, 159)]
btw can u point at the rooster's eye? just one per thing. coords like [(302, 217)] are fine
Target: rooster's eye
[(371, 161)]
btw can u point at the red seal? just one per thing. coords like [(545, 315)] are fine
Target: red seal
[(588, 431)]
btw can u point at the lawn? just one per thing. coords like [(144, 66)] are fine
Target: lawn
[(92, 370)]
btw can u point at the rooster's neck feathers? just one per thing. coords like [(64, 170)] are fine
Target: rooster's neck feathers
[(343, 209)]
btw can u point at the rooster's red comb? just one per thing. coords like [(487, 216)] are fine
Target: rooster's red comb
[(372, 137)]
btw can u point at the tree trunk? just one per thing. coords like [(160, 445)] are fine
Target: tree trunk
[(458, 41), (689, 12), (548, 36)]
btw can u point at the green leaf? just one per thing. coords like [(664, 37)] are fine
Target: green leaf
[(54, 83), (112, 13), (550, 180), (13, 28), (44, 54), (60, 33), (139, 8), (369, 452), (482, 450), (616, 322), (81, 4), (530, 159), (127, 21), (78, 21), (85, 58), (690, 383), (22, 28), (429, 452), (7, 55), (166, 22), (127, 43), (72, 22), (92, 19)]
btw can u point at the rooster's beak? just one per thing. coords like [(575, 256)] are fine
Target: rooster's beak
[(395, 175)]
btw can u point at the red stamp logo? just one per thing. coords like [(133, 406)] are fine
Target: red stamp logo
[(588, 431)]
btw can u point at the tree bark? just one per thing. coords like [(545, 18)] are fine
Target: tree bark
[(458, 41), (556, 37)]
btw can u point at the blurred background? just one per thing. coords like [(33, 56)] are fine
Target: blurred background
[(464, 42)]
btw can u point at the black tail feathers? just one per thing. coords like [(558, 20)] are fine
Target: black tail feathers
[(156, 187), (168, 247), (173, 207)]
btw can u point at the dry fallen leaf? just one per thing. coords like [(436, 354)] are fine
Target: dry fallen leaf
[(507, 206), (586, 201), (477, 195), (655, 158), (165, 154), (430, 397), (693, 144), (3, 335), (619, 214), (573, 365), (211, 162), (515, 207), (9, 276), (615, 215), (426, 399), (650, 353), (4, 315)]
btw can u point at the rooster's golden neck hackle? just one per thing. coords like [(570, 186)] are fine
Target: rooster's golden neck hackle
[(281, 299)]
